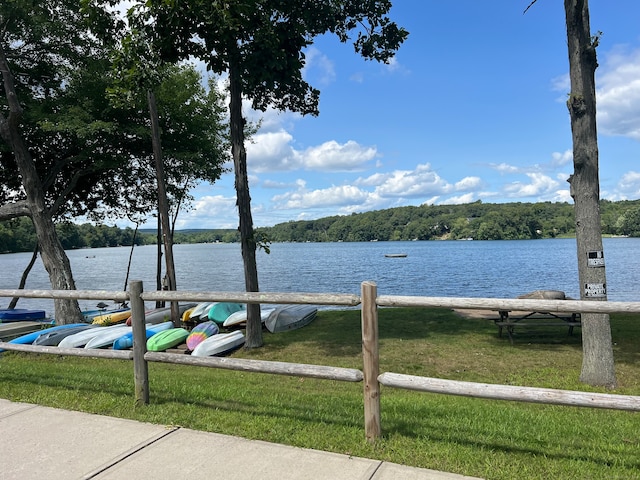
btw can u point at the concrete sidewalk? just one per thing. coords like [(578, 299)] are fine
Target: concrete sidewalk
[(48, 443)]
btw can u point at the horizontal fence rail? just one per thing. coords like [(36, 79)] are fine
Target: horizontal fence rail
[(370, 376), (260, 366), (497, 304), (510, 392)]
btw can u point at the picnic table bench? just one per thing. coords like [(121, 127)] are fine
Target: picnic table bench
[(535, 319)]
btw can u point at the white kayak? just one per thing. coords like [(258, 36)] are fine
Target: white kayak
[(104, 339), (241, 317), (219, 344), (80, 339)]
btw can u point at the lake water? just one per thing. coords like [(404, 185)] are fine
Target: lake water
[(500, 269)]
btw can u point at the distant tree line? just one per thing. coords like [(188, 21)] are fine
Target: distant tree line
[(480, 221)]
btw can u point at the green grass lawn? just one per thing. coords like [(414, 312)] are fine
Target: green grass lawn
[(485, 438)]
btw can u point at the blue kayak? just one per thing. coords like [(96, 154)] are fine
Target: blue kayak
[(29, 338), (19, 314), (126, 341)]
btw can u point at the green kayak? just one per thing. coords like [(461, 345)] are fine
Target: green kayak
[(167, 339)]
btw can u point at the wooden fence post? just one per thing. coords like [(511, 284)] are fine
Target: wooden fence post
[(140, 367), (371, 361)]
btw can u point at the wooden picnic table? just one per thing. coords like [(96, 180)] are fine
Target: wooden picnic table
[(535, 319)]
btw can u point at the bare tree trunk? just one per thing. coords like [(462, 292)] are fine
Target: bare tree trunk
[(25, 275), (597, 361), (159, 285), (163, 205), (247, 239), (54, 258)]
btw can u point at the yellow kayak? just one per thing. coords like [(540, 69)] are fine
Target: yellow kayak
[(112, 318), (187, 314)]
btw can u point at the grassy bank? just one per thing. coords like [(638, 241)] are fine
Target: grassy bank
[(491, 439)]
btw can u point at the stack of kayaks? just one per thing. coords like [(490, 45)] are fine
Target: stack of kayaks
[(204, 339)]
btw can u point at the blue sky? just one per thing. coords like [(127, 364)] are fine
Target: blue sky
[(471, 108)]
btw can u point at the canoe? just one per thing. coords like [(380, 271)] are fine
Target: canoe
[(200, 333), (240, 317), (221, 311), (290, 317), (220, 344), (53, 336), (126, 340), (112, 318), (80, 339), (106, 338), (20, 314), (167, 339), (395, 255), (12, 330)]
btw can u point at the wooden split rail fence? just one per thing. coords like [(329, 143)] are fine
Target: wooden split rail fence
[(370, 375)]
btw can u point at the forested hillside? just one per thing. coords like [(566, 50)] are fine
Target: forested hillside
[(479, 221)]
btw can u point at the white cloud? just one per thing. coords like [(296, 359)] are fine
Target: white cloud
[(211, 211), (618, 94), (504, 168), (468, 183), (459, 200), (327, 197), (318, 68), (272, 151), (335, 157), (540, 184), (412, 183), (560, 159), (629, 185)]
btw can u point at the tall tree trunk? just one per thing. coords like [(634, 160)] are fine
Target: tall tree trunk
[(597, 360), (247, 239), (163, 204), (54, 258)]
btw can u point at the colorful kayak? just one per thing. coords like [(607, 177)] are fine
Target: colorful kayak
[(200, 333), (126, 340), (112, 318), (21, 314), (220, 344), (167, 339), (221, 311), (53, 336), (106, 338), (240, 317)]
